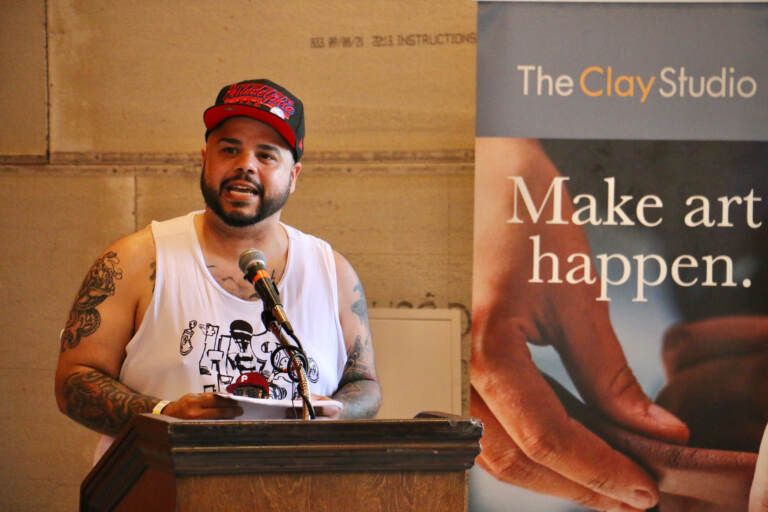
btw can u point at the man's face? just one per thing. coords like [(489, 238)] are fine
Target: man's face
[(248, 172)]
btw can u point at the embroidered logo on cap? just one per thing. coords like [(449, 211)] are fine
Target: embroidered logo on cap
[(260, 95)]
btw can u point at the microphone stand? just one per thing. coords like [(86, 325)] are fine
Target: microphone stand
[(294, 363)]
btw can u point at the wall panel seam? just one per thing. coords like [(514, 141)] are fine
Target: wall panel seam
[(47, 85)]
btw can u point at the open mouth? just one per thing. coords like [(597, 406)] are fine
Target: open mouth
[(242, 188)]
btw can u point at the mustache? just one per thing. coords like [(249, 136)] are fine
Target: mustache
[(244, 177)]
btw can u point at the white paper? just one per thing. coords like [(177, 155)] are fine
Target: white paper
[(270, 409)]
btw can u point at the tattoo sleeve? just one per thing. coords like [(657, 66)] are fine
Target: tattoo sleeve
[(101, 403), (84, 319), (358, 389)]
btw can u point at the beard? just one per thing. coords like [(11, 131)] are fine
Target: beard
[(268, 205)]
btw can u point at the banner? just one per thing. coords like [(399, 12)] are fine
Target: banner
[(620, 216)]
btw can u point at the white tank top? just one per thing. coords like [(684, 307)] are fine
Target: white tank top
[(196, 337)]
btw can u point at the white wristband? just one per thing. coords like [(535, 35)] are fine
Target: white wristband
[(158, 409)]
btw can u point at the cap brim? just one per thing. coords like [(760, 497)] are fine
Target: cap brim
[(216, 114)]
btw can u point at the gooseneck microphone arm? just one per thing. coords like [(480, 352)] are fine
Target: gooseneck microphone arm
[(253, 263)]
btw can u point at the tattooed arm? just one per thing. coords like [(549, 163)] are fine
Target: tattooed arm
[(358, 388), (106, 312), (100, 324)]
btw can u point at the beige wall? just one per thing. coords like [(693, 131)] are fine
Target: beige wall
[(23, 73), (135, 77), (102, 106)]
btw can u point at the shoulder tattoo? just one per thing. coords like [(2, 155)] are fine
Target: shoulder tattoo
[(359, 307), (84, 319)]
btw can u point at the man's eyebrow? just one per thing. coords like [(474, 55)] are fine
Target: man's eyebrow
[(230, 140), (269, 147)]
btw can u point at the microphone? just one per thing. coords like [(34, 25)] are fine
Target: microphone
[(253, 263)]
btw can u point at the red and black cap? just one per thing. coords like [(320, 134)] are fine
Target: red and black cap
[(264, 101)]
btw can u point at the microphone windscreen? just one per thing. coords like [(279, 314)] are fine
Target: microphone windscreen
[(251, 257)]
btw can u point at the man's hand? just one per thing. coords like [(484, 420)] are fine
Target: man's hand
[(323, 412), (99, 402), (203, 406), (529, 439)]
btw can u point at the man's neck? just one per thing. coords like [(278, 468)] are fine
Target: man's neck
[(220, 241)]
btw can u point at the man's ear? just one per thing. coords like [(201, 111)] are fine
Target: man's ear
[(202, 152), (295, 171)]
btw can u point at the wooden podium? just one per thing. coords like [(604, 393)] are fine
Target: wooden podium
[(161, 463)]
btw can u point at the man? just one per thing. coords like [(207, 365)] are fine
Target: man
[(164, 319)]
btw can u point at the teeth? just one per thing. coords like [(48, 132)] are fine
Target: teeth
[(239, 188)]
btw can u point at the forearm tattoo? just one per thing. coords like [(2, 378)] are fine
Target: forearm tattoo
[(84, 319), (358, 389), (356, 368), (101, 403), (361, 399)]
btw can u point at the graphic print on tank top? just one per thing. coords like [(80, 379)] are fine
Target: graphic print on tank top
[(224, 357)]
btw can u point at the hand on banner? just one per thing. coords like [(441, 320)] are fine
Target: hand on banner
[(529, 439), (758, 497), (716, 380), (716, 372)]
